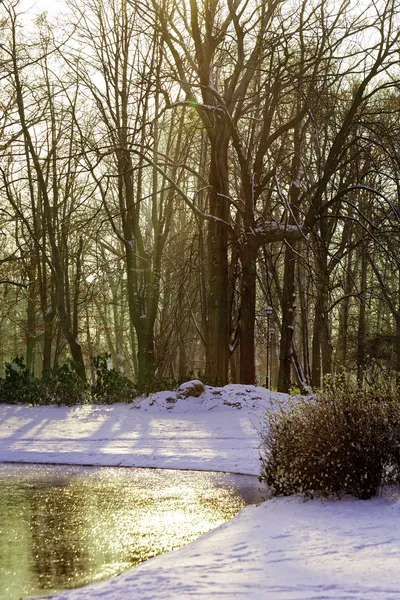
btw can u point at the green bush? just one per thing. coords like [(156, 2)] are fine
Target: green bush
[(61, 385), (110, 385), (17, 386), (345, 440)]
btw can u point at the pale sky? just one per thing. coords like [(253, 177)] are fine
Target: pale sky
[(34, 7)]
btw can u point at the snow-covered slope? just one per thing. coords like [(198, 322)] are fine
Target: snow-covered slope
[(216, 431), (247, 397)]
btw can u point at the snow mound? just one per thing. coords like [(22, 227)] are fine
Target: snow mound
[(230, 397)]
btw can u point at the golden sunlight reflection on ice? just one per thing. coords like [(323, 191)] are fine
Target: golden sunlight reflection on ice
[(63, 527)]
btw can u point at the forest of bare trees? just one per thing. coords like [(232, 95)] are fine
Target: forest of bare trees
[(202, 188)]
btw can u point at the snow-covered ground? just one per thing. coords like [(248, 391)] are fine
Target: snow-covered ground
[(283, 549), (215, 432)]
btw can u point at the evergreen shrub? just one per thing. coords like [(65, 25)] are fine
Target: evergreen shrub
[(110, 385), (345, 440), (17, 386), (62, 386)]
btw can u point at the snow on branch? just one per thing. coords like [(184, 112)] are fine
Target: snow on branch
[(268, 232)]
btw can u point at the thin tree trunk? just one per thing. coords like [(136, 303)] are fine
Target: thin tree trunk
[(316, 369), (326, 342), (342, 343), (304, 322), (247, 316), (288, 320), (31, 331), (362, 321)]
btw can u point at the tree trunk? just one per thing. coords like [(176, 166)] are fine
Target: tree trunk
[(218, 321), (316, 369), (31, 332), (304, 322), (326, 343), (398, 350), (146, 353), (48, 322), (90, 347), (362, 322), (234, 363), (247, 316), (322, 349), (288, 319), (342, 343), (289, 282)]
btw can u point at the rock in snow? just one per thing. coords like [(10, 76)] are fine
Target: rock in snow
[(192, 388)]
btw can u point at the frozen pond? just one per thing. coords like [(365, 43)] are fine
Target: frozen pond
[(63, 527)]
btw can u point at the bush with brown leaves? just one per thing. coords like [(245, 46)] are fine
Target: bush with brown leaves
[(346, 440)]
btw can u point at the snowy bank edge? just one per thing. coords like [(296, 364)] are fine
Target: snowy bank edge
[(285, 549)]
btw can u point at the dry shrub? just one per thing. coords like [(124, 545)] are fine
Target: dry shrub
[(345, 440)]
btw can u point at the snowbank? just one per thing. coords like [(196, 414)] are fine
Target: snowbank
[(217, 431), (240, 397), (284, 549)]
